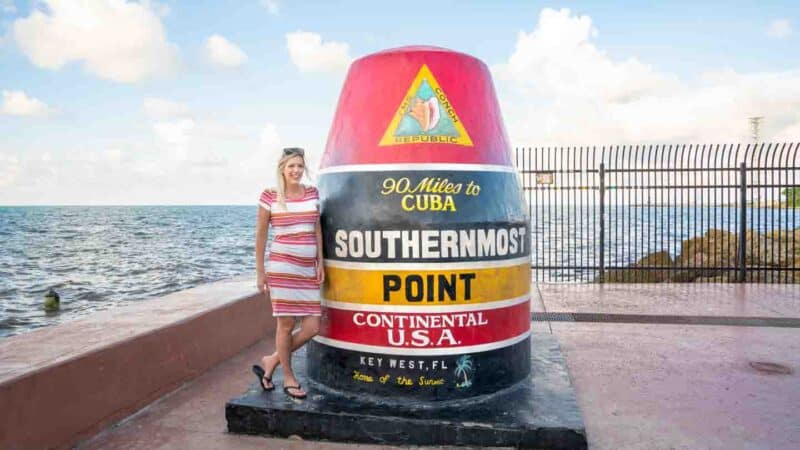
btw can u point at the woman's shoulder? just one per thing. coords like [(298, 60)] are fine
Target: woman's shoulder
[(268, 195), (311, 191)]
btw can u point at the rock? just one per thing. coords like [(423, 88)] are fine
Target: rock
[(714, 258), (786, 235), (726, 277), (719, 247), (684, 276), (698, 266), (658, 259), (632, 275), (773, 276), (780, 248), (704, 258)]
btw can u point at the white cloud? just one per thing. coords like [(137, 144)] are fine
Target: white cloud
[(113, 155), (192, 162), (271, 5), (9, 169), (269, 136), (310, 54), (558, 88), (266, 157), (162, 9), (173, 127), (113, 39), (186, 146), (790, 133), (779, 29), (175, 137), (17, 103), (256, 166), (554, 59), (222, 52), (162, 109)]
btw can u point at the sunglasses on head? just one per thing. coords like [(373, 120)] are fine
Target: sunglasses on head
[(293, 151)]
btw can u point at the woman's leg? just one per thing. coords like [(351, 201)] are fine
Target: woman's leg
[(309, 327), (283, 345)]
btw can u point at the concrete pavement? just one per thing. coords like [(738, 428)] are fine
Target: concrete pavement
[(639, 385)]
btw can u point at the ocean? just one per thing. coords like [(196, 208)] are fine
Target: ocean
[(101, 257)]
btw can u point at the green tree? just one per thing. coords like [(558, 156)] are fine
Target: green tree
[(792, 196), (464, 368)]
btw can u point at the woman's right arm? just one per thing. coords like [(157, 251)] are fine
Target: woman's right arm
[(262, 226)]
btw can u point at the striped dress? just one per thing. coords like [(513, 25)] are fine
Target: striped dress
[(291, 267)]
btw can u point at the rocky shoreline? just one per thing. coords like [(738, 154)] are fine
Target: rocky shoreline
[(708, 258)]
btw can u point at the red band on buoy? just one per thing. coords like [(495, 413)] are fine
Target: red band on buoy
[(417, 105), (427, 330)]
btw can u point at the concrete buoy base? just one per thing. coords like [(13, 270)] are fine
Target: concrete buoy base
[(539, 412)]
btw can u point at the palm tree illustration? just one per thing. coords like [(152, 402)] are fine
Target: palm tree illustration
[(463, 368)]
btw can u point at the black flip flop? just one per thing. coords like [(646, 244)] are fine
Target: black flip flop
[(297, 396), (259, 371)]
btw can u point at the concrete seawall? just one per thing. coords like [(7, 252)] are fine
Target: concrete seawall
[(61, 384)]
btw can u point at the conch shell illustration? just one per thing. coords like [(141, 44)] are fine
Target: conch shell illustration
[(425, 112)]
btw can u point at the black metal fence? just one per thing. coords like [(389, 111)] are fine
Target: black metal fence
[(664, 213)]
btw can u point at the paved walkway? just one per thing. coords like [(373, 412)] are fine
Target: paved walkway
[(639, 385), (193, 417), (663, 386)]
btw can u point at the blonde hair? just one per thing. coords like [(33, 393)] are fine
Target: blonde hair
[(288, 153)]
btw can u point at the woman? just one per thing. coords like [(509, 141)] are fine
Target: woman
[(294, 271)]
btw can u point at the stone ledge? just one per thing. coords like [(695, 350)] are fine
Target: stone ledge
[(66, 382), (539, 412)]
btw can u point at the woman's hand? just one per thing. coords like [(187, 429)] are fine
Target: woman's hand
[(261, 282), (320, 272), (320, 266)]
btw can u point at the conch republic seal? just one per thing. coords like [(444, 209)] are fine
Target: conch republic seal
[(426, 237)]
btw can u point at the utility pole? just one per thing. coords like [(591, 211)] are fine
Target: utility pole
[(755, 128)]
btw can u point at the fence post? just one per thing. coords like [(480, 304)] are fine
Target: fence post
[(742, 221), (602, 222)]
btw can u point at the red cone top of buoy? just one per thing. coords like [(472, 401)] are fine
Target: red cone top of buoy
[(417, 105)]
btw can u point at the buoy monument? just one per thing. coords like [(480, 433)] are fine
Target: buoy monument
[(427, 250), (426, 326)]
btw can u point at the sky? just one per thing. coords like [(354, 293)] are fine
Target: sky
[(189, 102)]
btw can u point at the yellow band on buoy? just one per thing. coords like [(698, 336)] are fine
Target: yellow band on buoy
[(426, 287)]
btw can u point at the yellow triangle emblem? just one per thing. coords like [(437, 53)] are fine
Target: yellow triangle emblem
[(425, 116)]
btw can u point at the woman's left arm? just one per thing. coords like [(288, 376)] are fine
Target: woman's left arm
[(320, 267)]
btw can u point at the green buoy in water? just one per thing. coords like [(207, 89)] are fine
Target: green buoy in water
[(52, 301)]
